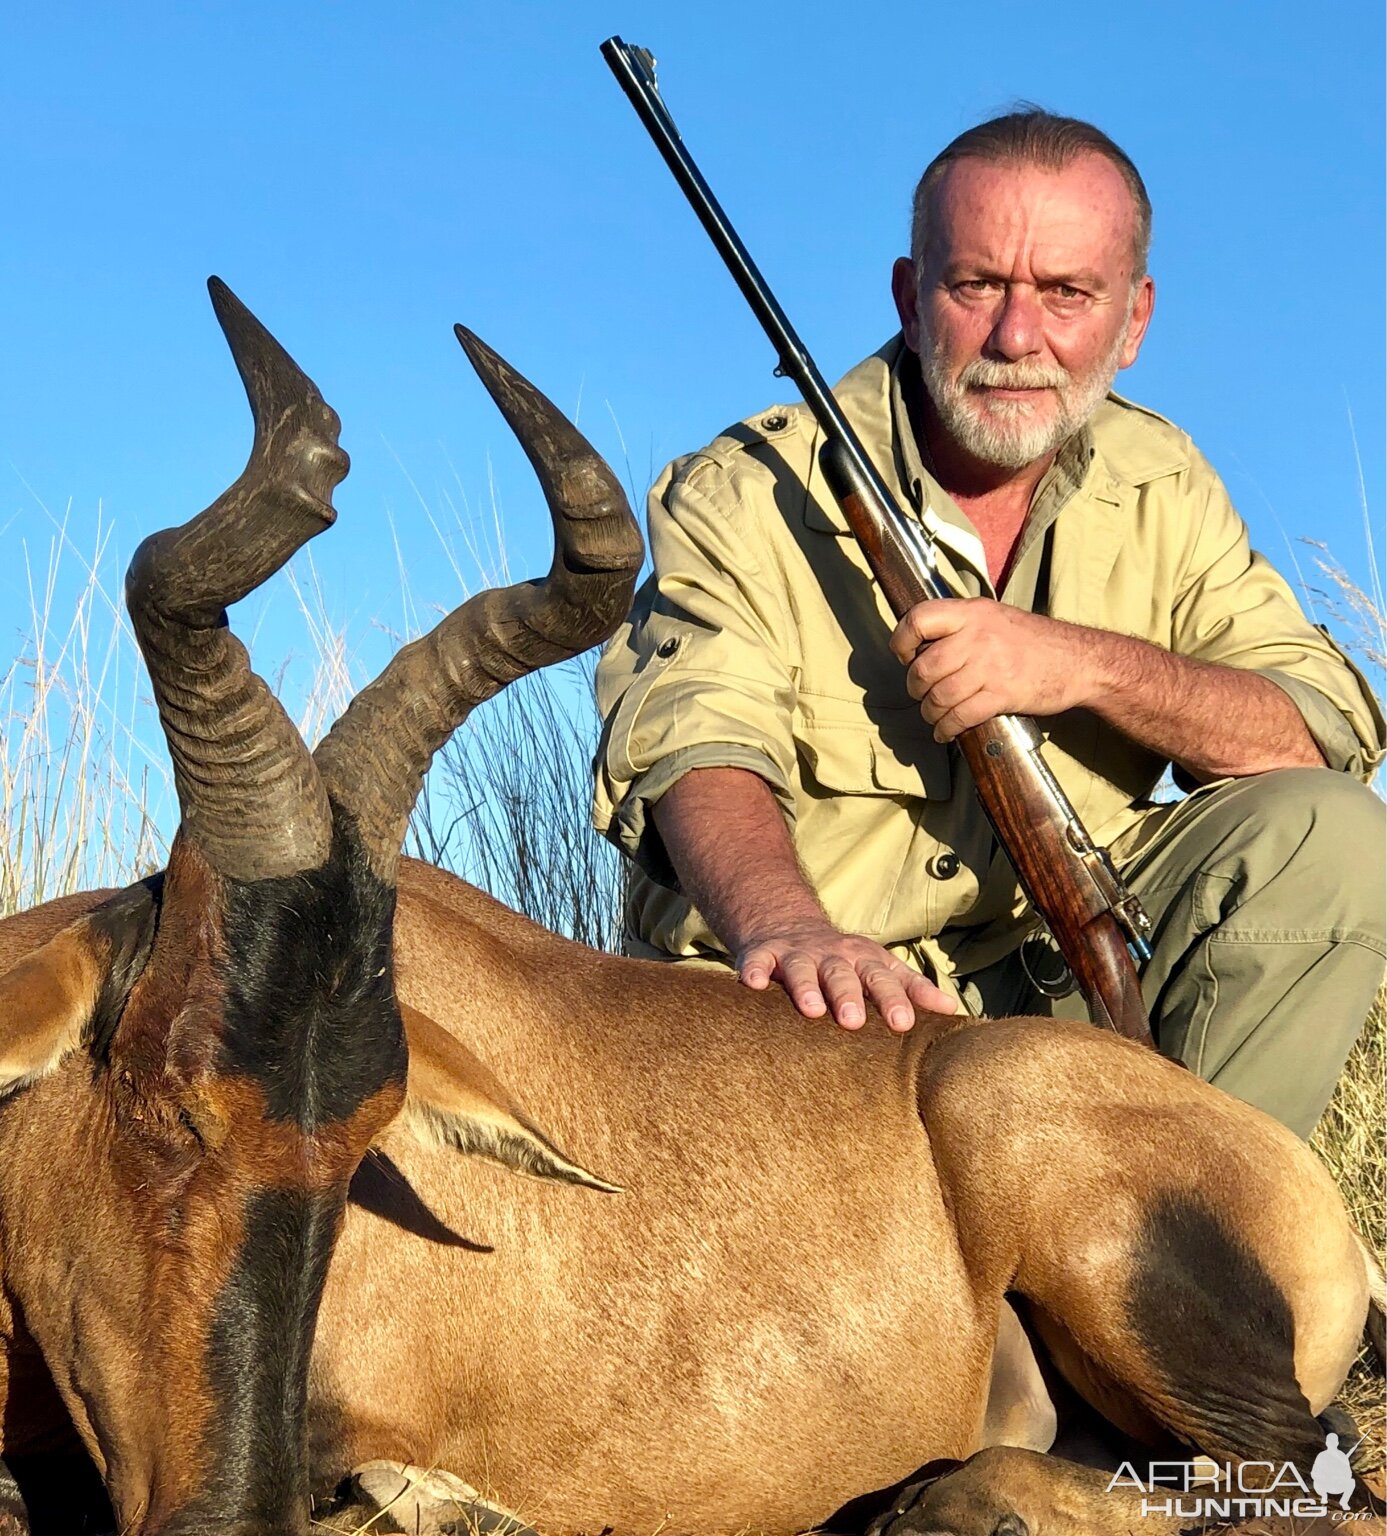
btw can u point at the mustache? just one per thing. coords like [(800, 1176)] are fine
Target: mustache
[(985, 373)]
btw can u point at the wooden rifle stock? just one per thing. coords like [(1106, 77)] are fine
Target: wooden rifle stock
[(1069, 881), (1036, 841)]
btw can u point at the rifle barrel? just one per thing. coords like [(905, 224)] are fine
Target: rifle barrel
[(634, 69)]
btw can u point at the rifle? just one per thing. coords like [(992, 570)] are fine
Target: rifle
[(1098, 924)]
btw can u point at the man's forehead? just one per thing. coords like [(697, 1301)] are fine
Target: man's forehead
[(1083, 213)]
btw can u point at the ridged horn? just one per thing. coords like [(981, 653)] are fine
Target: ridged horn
[(250, 796), (374, 759)]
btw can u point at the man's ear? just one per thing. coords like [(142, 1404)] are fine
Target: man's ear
[(905, 290), (70, 991), (453, 1100), (1143, 305)]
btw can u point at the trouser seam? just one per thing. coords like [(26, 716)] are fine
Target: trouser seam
[(1208, 1011), (1352, 936)]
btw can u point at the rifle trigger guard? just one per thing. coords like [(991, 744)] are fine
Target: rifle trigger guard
[(1045, 967)]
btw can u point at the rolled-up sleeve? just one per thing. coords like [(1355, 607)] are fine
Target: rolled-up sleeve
[(1233, 608), (702, 674)]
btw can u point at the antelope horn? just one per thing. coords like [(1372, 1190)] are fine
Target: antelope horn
[(374, 759), (250, 796)]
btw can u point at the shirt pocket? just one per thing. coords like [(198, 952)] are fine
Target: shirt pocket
[(887, 754)]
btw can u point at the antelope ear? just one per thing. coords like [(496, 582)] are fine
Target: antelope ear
[(453, 1100), (70, 991)]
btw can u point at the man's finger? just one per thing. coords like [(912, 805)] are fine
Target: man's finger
[(927, 997), (887, 991), (947, 693), (927, 621), (843, 988), (799, 975), (973, 710), (754, 968), (932, 666)]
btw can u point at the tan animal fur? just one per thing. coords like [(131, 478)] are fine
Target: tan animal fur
[(795, 1298)]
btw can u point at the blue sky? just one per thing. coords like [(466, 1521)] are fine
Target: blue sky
[(365, 175)]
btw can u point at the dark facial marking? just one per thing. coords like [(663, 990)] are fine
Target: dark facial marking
[(1221, 1337), (309, 1006), (258, 1350)]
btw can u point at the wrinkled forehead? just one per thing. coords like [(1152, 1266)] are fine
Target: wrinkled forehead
[(1011, 217)]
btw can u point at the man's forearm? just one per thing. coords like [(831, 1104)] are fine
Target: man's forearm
[(1214, 721), (729, 844), (725, 835), (972, 659)]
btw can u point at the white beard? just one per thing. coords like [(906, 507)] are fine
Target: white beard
[(1013, 433)]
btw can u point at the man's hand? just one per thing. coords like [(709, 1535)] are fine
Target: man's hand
[(728, 840), (827, 971), (983, 659)]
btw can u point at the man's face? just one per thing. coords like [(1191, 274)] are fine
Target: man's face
[(1024, 308)]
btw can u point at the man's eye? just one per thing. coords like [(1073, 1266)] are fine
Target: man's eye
[(1067, 292), (976, 285)]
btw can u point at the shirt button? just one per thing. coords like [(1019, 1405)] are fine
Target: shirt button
[(944, 866), (773, 423), (667, 647)]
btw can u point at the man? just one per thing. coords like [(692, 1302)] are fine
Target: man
[(765, 759)]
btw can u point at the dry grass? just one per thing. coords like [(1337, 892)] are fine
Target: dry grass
[(519, 783), (1350, 1139), (1352, 1134), (82, 792), (86, 791), (1358, 616)]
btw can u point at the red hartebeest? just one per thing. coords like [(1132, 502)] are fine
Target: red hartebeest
[(195, 1067), (800, 1296)]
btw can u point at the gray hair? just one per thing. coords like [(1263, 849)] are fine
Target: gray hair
[(1032, 136)]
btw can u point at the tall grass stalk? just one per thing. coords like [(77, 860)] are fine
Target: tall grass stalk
[(1350, 1140), (83, 798), (507, 803), (1357, 615), (509, 808)]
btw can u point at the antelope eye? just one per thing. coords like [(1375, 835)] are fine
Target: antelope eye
[(189, 1124)]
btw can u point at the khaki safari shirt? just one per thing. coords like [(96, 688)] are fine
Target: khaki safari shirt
[(760, 642)]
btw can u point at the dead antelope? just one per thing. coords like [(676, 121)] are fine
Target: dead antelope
[(800, 1295)]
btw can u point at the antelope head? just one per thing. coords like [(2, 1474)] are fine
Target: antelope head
[(193, 1070)]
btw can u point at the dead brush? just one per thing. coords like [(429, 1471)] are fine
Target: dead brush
[(1349, 1138)]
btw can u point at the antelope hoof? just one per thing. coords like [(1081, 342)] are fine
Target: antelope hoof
[(429, 1502)]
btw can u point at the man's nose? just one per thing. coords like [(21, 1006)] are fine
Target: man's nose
[(1018, 331)]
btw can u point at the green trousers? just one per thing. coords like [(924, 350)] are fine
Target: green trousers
[(1268, 899)]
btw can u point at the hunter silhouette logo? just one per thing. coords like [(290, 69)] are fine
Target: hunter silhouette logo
[(1332, 1472), (1205, 1489)]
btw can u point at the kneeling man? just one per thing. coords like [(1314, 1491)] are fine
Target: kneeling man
[(779, 762)]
